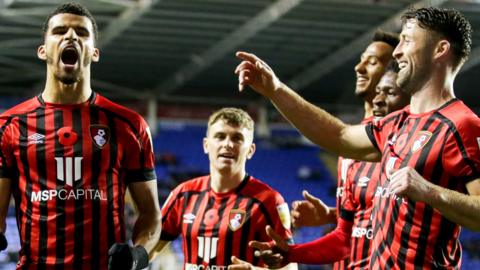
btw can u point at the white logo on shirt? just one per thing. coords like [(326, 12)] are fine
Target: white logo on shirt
[(36, 138), (207, 248), (363, 182), (188, 218)]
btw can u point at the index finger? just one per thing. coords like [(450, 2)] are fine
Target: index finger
[(247, 56)]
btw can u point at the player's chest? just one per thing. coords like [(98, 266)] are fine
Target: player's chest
[(417, 144), (219, 218), (62, 133)]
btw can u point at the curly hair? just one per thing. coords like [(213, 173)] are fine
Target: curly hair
[(450, 24), (72, 8)]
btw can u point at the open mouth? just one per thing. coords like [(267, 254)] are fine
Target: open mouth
[(361, 79), (227, 156), (69, 57), (378, 113)]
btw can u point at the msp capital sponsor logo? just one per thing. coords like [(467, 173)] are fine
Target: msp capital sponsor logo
[(384, 192), (236, 218), (420, 140), (189, 266), (68, 194), (360, 232)]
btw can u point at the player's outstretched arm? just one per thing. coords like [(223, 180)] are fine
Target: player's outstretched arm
[(460, 208), (311, 212), (5, 191), (316, 124)]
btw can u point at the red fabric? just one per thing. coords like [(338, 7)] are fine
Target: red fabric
[(330, 248)]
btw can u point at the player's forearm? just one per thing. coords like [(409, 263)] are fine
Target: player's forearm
[(330, 248), (457, 207), (316, 124), (332, 215), (5, 190), (147, 230)]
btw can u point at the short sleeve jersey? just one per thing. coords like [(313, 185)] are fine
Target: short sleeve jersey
[(69, 166), (443, 147), (215, 226)]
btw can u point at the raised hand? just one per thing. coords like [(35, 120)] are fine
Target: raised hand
[(238, 264), (254, 72), (272, 253), (310, 212), (407, 182)]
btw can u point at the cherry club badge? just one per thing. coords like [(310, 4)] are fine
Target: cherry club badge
[(100, 135), (236, 218)]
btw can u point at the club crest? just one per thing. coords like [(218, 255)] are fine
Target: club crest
[(420, 140), (100, 135), (236, 218)]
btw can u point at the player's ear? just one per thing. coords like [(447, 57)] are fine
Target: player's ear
[(442, 48), (251, 151), (205, 145), (41, 54), (96, 55)]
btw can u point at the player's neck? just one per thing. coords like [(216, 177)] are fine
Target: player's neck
[(222, 182), (432, 95), (60, 93), (368, 109)]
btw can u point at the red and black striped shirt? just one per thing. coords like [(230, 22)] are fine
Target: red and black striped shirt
[(343, 167), (443, 147), (361, 179), (360, 187), (216, 226), (69, 166)]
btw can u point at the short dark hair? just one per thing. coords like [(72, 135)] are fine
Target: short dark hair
[(449, 23), (72, 8), (390, 38), (392, 67)]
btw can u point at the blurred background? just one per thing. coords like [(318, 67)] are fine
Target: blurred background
[(173, 62)]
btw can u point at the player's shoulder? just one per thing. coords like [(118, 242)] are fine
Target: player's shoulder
[(256, 188), (195, 185), (389, 118), (22, 108), (119, 110), (460, 117)]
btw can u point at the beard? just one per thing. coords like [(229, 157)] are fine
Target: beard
[(403, 78), (66, 77)]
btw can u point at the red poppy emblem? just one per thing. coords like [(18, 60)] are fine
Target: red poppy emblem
[(100, 135), (236, 218), (67, 136), (211, 217)]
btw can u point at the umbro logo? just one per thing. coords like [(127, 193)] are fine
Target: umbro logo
[(363, 182), (36, 138), (188, 218)]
